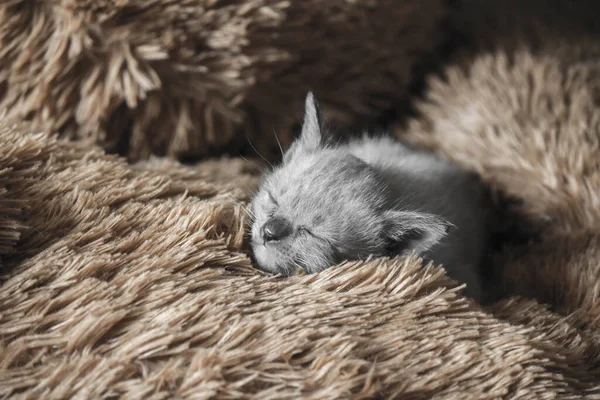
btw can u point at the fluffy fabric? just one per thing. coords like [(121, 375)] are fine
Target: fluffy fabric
[(189, 78), (134, 281), (520, 107), (528, 122)]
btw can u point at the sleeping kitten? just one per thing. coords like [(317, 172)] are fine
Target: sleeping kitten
[(371, 196)]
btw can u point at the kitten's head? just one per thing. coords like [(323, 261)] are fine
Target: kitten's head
[(324, 205)]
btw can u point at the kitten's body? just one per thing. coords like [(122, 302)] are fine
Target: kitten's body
[(422, 182), (371, 196)]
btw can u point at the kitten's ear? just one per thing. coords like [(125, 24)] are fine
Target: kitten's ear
[(313, 122), (310, 138), (410, 230)]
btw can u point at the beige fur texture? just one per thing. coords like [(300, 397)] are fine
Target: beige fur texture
[(134, 280), (191, 78)]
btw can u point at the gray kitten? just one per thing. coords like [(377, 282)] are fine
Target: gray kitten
[(371, 196)]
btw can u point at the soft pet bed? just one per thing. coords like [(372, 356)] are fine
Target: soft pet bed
[(133, 280)]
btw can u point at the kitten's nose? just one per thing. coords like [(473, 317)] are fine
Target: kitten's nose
[(276, 228)]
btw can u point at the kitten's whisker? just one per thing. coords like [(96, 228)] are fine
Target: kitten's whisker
[(244, 207), (278, 142), (260, 155), (306, 260), (251, 192), (262, 168), (303, 263), (339, 140)]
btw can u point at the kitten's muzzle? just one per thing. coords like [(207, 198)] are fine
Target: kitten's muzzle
[(276, 228)]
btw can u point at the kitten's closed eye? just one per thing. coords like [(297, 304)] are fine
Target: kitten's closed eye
[(310, 232), (272, 198), (305, 230)]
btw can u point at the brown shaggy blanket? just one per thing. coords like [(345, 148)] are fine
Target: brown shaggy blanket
[(195, 77), (134, 280)]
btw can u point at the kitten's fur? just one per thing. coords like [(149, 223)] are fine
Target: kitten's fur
[(371, 196)]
